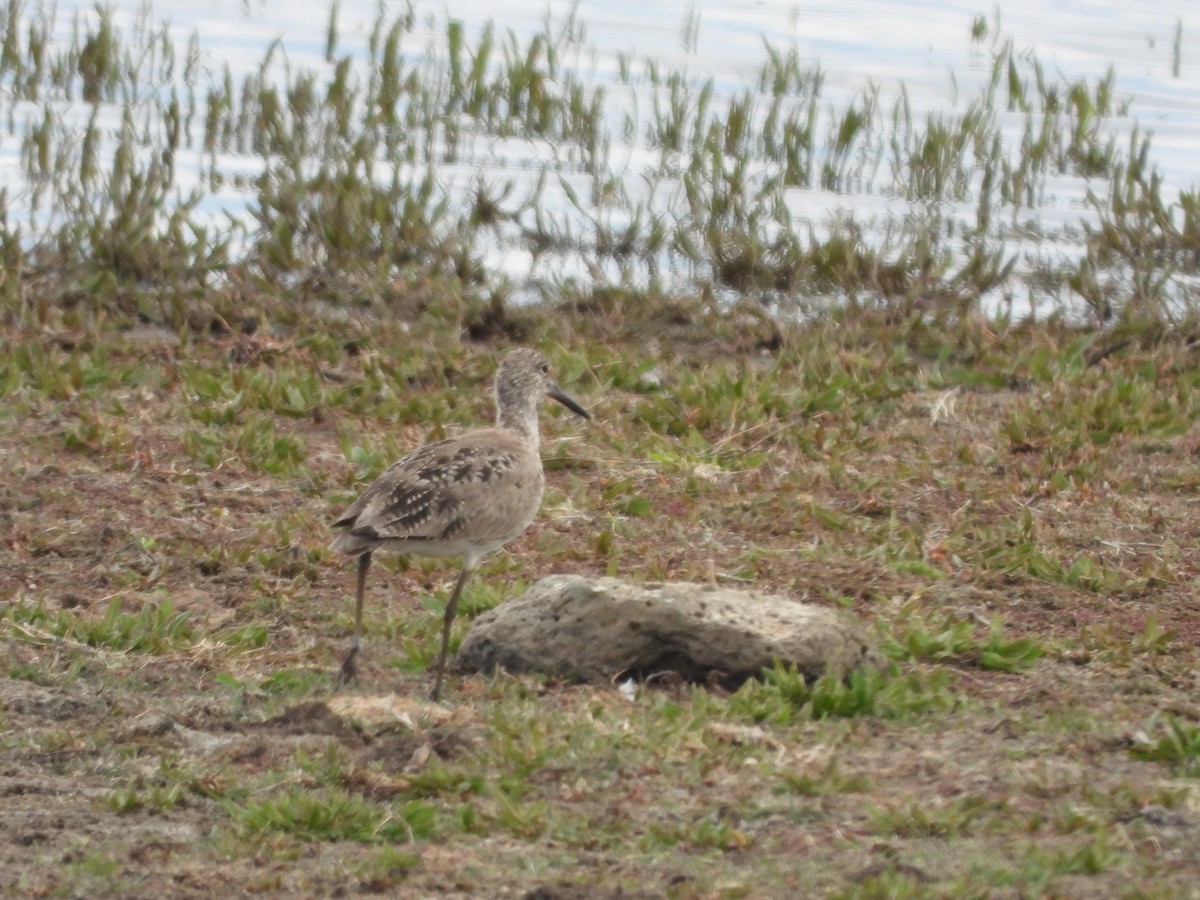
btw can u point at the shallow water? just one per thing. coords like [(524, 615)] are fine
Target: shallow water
[(923, 46)]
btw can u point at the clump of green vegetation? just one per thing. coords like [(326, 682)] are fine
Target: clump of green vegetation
[(910, 637), (1175, 741), (333, 815), (784, 695), (155, 628), (952, 819)]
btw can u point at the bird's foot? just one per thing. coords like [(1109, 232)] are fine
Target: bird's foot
[(349, 670)]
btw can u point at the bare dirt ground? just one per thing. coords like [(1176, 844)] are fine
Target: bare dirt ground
[(130, 768)]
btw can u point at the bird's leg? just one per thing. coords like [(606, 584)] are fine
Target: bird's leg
[(349, 670), (451, 606)]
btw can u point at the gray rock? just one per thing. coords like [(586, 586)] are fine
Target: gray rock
[(596, 629)]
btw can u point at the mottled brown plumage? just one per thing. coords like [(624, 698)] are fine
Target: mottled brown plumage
[(465, 496)]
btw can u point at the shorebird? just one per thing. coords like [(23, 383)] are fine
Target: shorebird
[(462, 497)]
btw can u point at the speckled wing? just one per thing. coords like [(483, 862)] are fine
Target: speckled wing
[(483, 488)]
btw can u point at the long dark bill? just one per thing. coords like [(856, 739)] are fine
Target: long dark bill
[(567, 400)]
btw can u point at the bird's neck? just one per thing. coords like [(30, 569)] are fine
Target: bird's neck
[(524, 421)]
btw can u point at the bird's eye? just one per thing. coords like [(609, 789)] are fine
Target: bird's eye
[(545, 368)]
